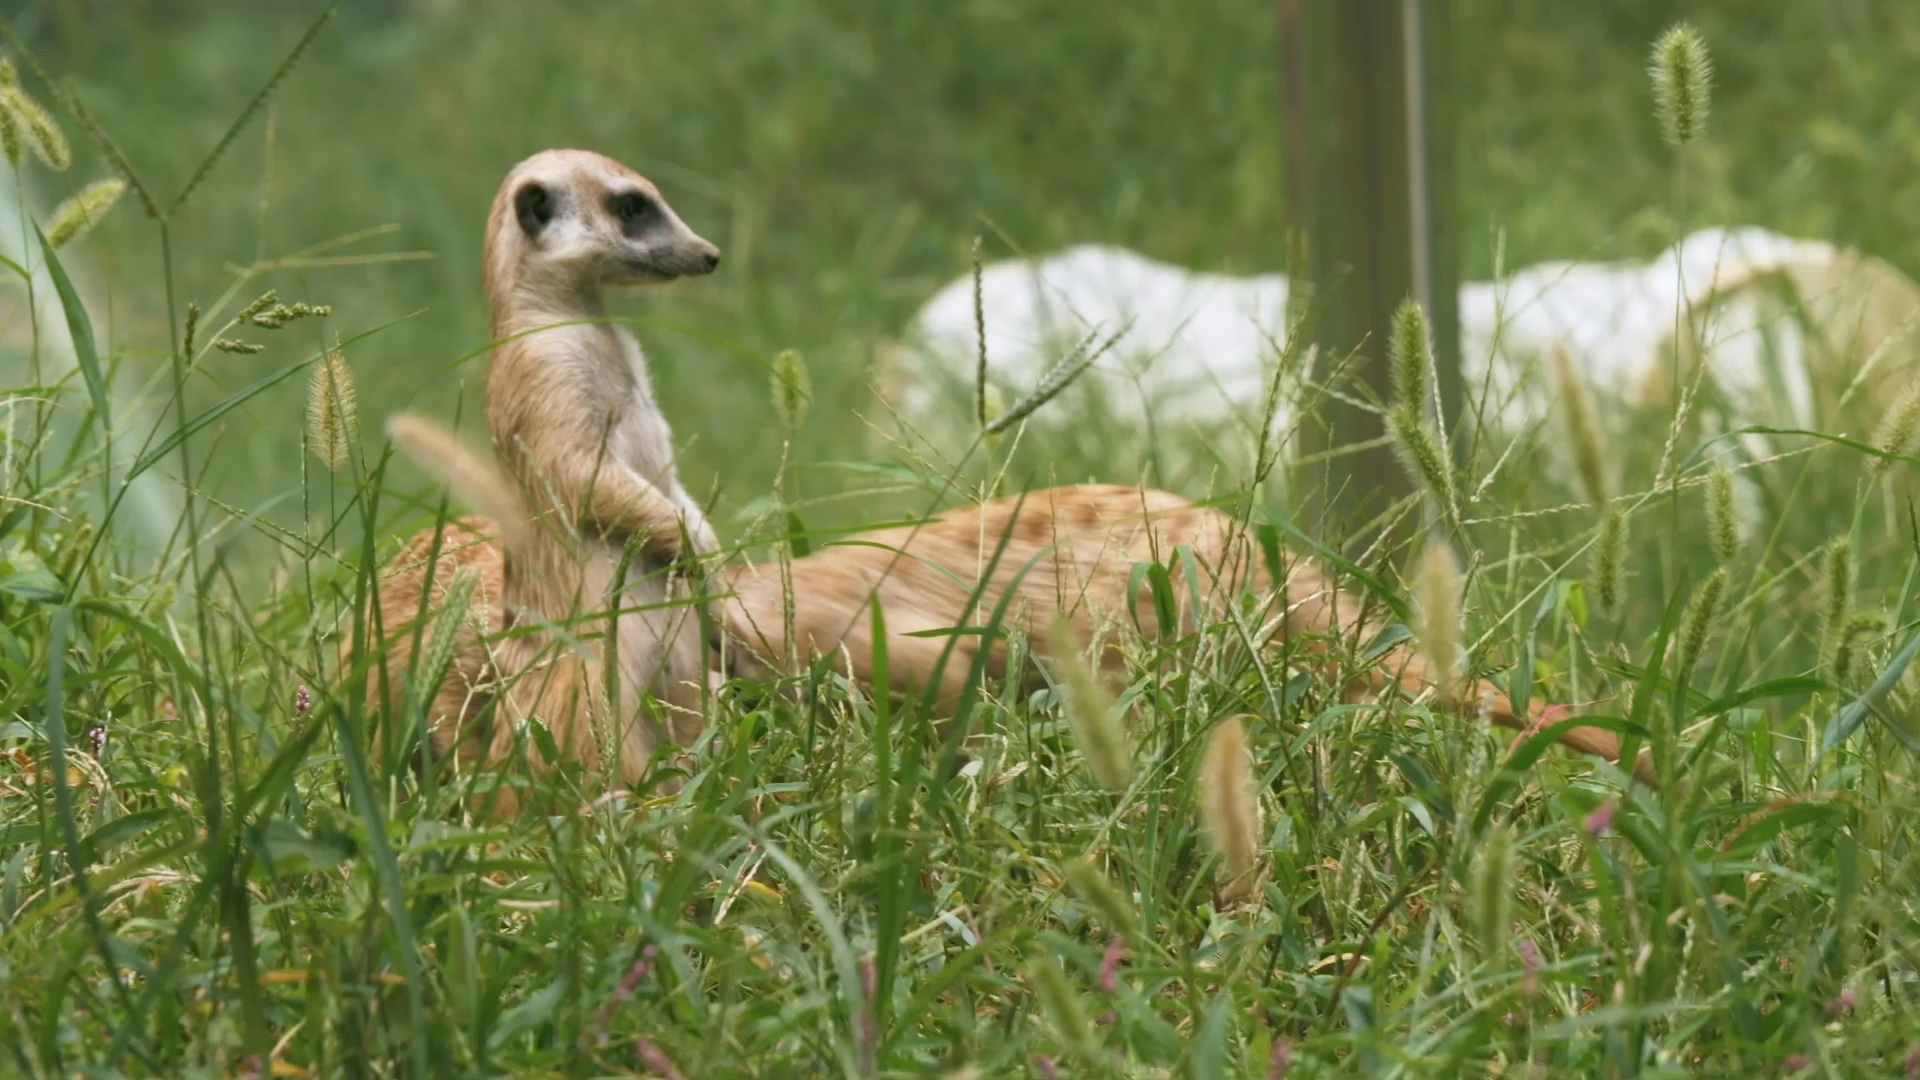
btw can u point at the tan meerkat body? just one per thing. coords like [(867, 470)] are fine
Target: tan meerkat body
[(589, 463), (1069, 549)]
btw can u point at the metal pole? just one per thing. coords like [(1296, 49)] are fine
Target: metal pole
[(1365, 176)]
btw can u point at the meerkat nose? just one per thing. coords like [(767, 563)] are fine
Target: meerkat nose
[(713, 260)]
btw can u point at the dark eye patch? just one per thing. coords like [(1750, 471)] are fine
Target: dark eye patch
[(533, 205), (631, 207)]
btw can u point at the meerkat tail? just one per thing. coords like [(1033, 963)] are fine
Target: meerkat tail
[(1498, 708), (475, 479)]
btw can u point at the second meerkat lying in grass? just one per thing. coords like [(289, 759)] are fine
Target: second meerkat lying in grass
[(593, 512), (1068, 550)]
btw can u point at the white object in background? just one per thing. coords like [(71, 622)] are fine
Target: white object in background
[(1198, 348)]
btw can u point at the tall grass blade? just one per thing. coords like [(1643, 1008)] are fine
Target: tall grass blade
[(1848, 719), (85, 353), (246, 115)]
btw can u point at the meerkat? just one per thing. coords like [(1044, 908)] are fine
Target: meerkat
[(1069, 550), (586, 475), (585, 448)]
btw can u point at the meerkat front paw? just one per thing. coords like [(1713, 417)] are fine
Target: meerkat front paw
[(699, 529)]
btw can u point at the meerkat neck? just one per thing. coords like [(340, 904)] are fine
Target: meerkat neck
[(521, 303)]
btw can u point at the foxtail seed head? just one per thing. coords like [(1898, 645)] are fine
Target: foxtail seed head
[(1090, 711), (1610, 559), (73, 218), (1418, 446), (1412, 356), (792, 387), (1230, 809), (10, 142), (1850, 655), (48, 141), (1682, 84), (1895, 433), (1098, 890), (1703, 611), (1493, 889), (1583, 426), (1723, 527), (333, 410), (1437, 587), (1839, 574)]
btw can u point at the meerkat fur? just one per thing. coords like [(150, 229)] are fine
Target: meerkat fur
[(598, 519), (1069, 549)]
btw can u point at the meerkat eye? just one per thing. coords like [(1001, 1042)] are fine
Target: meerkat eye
[(533, 205), (630, 207)]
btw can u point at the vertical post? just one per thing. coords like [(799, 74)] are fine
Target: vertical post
[(1366, 171)]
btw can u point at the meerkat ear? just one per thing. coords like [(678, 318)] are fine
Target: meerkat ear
[(533, 205)]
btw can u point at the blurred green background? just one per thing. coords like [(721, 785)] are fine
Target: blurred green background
[(844, 152)]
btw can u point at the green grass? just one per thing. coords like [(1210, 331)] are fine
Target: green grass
[(831, 893)]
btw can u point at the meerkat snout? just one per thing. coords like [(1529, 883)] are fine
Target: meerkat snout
[(659, 246), (655, 245), (703, 259)]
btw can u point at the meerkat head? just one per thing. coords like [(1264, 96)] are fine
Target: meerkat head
[(570, 220)]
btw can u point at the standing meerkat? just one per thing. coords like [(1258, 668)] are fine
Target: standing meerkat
[(594, 511)]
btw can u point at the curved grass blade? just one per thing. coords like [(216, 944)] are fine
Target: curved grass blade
[(1352, 569), (85, 354), (1770, 823), (1848, 719), (1521, 762), (838, 948), (1772, 688)]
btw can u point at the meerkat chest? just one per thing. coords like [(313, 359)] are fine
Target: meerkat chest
[(642, 439)]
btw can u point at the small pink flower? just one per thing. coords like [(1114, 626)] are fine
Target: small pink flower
[(1043, 1065), (656, 1059), (1913, 1062), (1797, 1062), (1530, 963), (1600, 821), (869, 1032), (1110, 965), (1844, 1003), (628, 983), (97, 739), (1279, 1059), (302, 700)]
